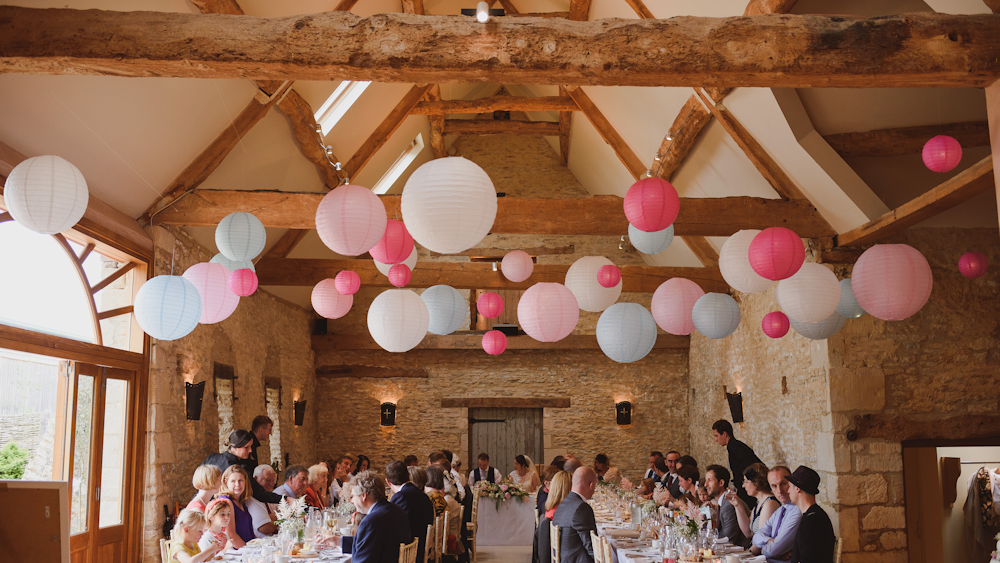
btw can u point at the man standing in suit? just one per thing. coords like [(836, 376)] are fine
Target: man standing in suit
[(741, 456), (385, 525), (575, 519), (717, 484), (412, 500)]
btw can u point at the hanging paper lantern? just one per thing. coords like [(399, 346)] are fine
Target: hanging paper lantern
[(328, 302), (650, 243), (446, 307), (672, 304), (350, 220), (243, 282), (395, 246), (942, 153), (212, 283), (411, 263), (46, 194), (398, 319), (548, 312), (347, 282), (494, 342), (892, 281), (581, 279), (734, 263), (651, 204), (775, 324), (517, 266), (716, 315), (240, 236), (449, 204), (399, 275), (167, 307), (848, 306), (233, 265), (776, 253), (490, 305), (626, 332), (821, 330), (609, 275), (809, 296), (973, 264)]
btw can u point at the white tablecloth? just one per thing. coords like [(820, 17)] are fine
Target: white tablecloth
[(512, 524)]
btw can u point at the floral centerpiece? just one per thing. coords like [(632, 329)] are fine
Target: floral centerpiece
[(500, 492), (649, 508), (291, 516), (690, 525), (661, 495), (626, 484)]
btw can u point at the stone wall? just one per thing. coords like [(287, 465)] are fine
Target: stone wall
[(520, 165)]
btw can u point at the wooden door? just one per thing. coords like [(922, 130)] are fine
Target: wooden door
[(504, 433)]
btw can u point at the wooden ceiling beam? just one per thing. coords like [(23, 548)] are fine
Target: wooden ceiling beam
[(495, 103), (909, 50), (231, 7), (345, 5), (683, 133), (508, 8), (438, 147), (565, 125), (284, 246), (505, 127), (973, 181), (993, 5), (381, 134), (413, 7), (300, 115), (500, 252), (640, 9), (459, 342), (907, 140), (579, 10), (760, 7)]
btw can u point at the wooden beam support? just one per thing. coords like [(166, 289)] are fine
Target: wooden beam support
[(413, 7), (494, 103), (114, 313), (384, 131), (683, 133), (230, 7), (300, 115), (565, 124), (345, 5), (509, 8), (641, 10), (110, 279), (907, 140), (364, 341), (759, 7), (579, 10), (994, 5), (437, 125), (512, 127), (360, 372), (973, 181), (500, 252), (287, 243), (704, 250), (785, 51)]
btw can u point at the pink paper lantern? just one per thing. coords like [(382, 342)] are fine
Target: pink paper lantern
[(395, 245), (212, 281), (348, 282), (494, 342), (609, 275), (651, 204), (548, 312), (399, 275), (517, 266), (892, 281), (243, 282), (973, 264), (775, 324), (776, 253), (942, 153), (329, 302), (490, 305), (672, 304), (350, 220)]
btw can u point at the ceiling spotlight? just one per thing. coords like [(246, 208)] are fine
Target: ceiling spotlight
[(483, 12)]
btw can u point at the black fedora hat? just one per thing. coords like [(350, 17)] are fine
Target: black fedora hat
[(805, 479)]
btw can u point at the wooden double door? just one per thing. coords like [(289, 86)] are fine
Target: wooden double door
[(503, 434)]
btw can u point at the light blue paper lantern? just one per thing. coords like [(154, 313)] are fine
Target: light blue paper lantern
[(650, 243), (167, 307), (821, 330), (233, 265), (626, 332), (848, 306), (716, 315), (240, 236), (446, 307)]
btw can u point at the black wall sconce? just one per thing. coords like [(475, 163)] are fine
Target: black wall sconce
[(300, 412), (388, 412), (193, 394), (735, 401), (623, 413)]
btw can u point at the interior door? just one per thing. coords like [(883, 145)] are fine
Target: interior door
[(504, 433)]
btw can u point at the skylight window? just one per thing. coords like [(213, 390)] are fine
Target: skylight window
[(338, 103), (402, 163)]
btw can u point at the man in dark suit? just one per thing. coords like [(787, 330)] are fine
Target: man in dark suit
[(741, 456), (412, 500), (575, 519), (385, 525)]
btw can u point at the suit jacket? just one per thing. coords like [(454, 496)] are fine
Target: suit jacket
[(541, 547), (814, 540), (419, 511), (380, 533), (729, 525), (575, 519), (741, 456)]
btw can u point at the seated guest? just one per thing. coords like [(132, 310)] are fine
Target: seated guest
[(296, 482), (239, 447), (484, 472), (572, 464), (266, 477), (562, 485), (443, 502), (646, 487), (206, 480), (451, 487), (411, 460), (543, 492), (756, 485), (650, 473), (717, 481), (602, 466), (680, 462), (687, 478), (183, 547), (814, 540), (662, 475), (702, 494), (456, 471), (685, 501), (671, 461), (575, 519), (412, 500), (775, 538), (316, 487), (218, 513), (417, 476), (559, 485), (456, 477), (363, 464), (558, 461), (524, 474), (235, 489), (341, 473), (385, 525)]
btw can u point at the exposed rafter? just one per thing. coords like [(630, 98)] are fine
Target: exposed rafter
[(300, 114), (503, 127), (579, 10), (640, 9), (565, 124), (458, 342), (680, 138), (500, 252), (758, 7), (385, 130), (284, 246), (437, 125), (907, 140), (413, 7), (494, 103)]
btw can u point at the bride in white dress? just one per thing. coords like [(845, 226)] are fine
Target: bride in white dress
[(524, 474)]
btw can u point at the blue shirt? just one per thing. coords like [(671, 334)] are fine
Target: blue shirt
[(781, 526)]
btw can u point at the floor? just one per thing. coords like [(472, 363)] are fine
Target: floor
[(503, 554)]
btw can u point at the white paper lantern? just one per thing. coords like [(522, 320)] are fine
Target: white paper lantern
[(734, 263), (46, 194), (411, 263), (350, 220), (446, 307), (809, 296), (240, 236), (548, 312), (848, 306), (716, 315), (233, 265), (821, 330), (398, 320), (517, 266), (167, 307), (212, 283), (581, 279), (626, 332), (650, 243), (449, 205), (328, 301)]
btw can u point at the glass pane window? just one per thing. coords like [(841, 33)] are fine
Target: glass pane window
[(113, 452), (80, 483)]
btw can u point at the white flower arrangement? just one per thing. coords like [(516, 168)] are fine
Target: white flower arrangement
[(291, 515)]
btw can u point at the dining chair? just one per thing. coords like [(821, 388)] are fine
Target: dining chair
[(606, 545), (429, 544), (595, 543), (408, 552), (164, 551), (472, 526), (554, 541), (441, 538)]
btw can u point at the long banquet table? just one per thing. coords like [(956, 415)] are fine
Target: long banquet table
[(512, 524)]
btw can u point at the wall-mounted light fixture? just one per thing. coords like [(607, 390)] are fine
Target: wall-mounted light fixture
[(193, 394), (300, 412), (483, 12), (388, 414), (623, 413), (735, 401)]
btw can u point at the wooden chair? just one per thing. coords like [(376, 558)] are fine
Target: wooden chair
[(408, 552), (429, 544), (608, 556), (164, 551), (554, 541), (595, 542), (440, 529), (472, 525)]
